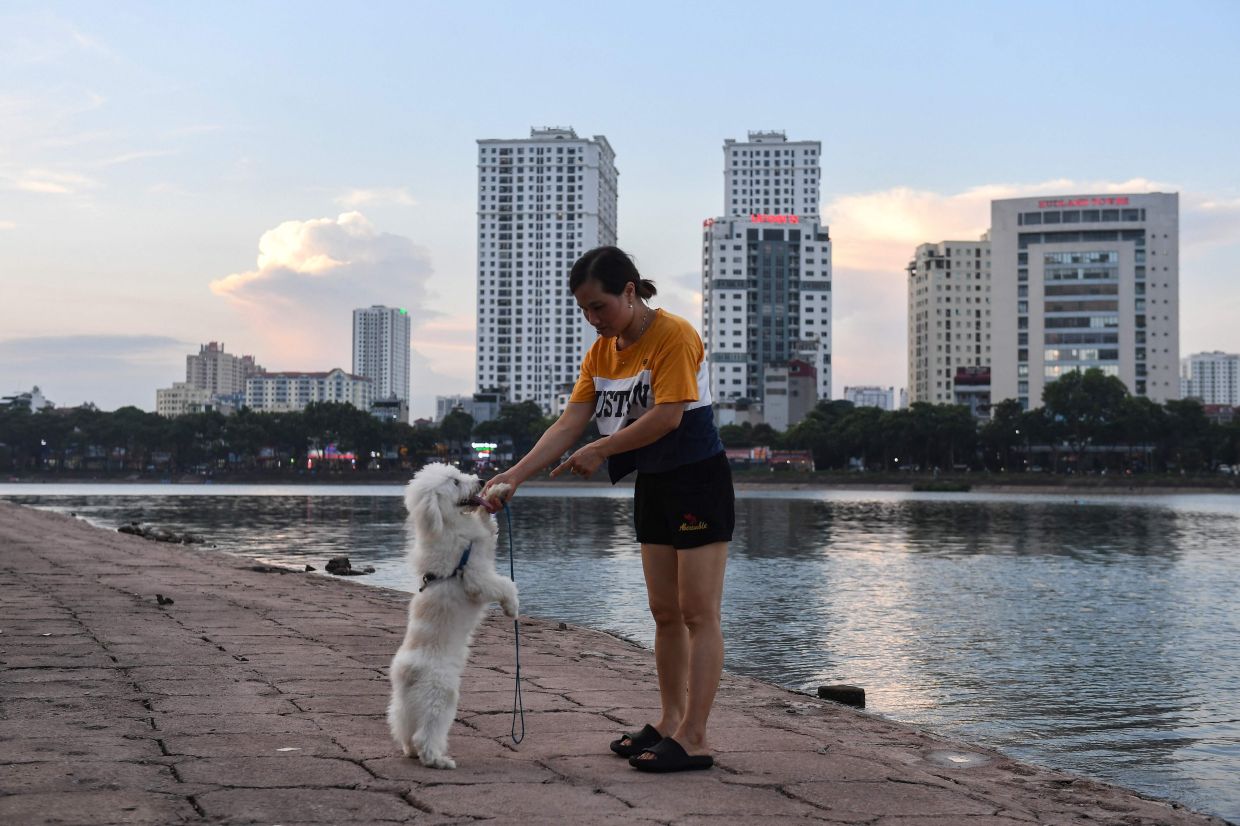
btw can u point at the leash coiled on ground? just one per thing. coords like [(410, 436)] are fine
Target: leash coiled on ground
[(518, 705)]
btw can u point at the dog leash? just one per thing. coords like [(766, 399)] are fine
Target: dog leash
[(518, 706)]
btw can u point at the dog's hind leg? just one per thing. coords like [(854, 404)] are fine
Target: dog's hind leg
[(439, 694), (401, 719)]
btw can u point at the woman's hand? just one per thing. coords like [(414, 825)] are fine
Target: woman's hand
[(494, 498), (583, 463)]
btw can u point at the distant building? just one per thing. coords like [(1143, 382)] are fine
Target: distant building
[(481, 407), (181, 399), (766, 268), (1213, 377), (381, 351), (218, 372), (542, 202), (214, 380), (1085, 281), (949, 316), (390, 409), (791, 391), (33, 400), (737, 412), (289, 392), (883, 398), (971, 388)]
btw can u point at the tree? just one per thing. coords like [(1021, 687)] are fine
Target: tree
[(1188, 432), (1085, 403), (1002, 433), (455, 429)]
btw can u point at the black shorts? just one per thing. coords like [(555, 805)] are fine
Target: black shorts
[(690, 506)]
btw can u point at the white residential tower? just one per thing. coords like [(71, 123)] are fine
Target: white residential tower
[(542, 202)]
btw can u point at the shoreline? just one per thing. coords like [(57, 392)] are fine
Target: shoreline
[(248, 694), (743, 481)]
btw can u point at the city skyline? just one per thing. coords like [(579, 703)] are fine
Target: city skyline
[(174, 175)]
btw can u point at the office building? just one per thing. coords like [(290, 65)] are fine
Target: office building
[(1211, 378), (381, 351), (766, 269), (542, 202), (949, 317), (1085, 281)]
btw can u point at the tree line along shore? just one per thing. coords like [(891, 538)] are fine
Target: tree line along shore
[(1089, 431)]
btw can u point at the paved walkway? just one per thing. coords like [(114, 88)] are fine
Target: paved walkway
[(259, 697)]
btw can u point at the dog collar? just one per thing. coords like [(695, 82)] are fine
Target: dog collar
[(427, 579)]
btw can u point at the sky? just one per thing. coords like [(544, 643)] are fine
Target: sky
[(178, 173)]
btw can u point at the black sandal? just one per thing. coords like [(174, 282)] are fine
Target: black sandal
[(637, 743), (670, 756)]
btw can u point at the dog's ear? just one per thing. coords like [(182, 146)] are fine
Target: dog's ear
[(427, 511)]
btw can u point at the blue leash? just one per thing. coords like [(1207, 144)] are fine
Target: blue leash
[(518, 706)]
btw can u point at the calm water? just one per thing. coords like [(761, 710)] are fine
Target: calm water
[(1097, 635)]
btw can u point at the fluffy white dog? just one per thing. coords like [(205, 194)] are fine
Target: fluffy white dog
[(446, 517)]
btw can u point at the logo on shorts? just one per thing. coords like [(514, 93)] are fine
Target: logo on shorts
[(692, 523)]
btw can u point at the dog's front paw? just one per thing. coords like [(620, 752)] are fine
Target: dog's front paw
[(511, 605), (441, 761)]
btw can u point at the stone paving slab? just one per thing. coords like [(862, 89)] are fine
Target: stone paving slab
[(259, 697)]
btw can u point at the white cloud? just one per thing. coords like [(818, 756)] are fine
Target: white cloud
[(51, 182), (8, 225), (138, 155), (311, 275), (391, 196)]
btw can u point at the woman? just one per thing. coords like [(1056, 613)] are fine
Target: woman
[(645, 383)]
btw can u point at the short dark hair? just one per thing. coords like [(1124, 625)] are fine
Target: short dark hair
[(613, 269)]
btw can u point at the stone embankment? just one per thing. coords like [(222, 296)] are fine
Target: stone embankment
[(250, 696)]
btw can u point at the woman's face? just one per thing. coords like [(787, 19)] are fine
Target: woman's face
[(608, 314)]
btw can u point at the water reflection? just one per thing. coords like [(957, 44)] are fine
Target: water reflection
[(1096, 636)]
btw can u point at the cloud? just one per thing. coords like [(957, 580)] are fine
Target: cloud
[(50, 182), (311, 275), (392, 196), (1208, 221), (109, 370), (8, 225), (139, 155)]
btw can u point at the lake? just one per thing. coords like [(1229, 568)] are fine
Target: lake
[(1098, 634)]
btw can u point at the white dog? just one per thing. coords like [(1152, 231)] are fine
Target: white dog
[(446, 517)]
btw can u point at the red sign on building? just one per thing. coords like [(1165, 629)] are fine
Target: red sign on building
[(1083, 202)]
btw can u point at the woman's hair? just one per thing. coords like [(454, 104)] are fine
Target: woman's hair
[(612, 268)]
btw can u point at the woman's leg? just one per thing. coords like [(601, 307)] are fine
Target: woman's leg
[(701, 595), (694, 670), (671, 636)]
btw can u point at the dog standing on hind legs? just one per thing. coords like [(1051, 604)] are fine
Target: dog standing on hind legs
[(452, 550)]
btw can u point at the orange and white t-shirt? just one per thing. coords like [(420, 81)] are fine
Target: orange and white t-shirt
[(666, 365)]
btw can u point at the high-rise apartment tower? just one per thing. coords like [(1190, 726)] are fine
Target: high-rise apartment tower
[(766, 268), (949, 318), (381, 350), (542, 202)]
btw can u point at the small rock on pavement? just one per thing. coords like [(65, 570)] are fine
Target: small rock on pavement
[(163, 600), (849, 695)]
